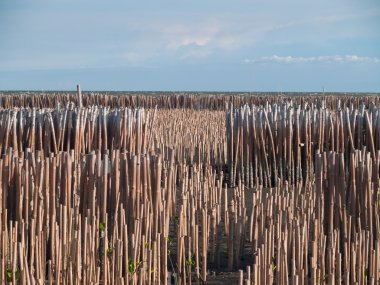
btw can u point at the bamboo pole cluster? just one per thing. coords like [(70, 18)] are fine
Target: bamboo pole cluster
[(326, 232), (102, 220), (197, 137), (285, 190), (279, 141), (176, 100), (80, 129)]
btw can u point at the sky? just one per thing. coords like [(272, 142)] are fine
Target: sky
[(197, 45)]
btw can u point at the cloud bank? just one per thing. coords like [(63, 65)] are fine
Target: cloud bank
[(314, 59)]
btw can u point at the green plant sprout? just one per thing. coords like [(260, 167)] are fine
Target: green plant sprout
[(133, 267), (148, 245), (273, 264), (191, 262), (109, 251), (169, 239), (102, 227), (9, 275)]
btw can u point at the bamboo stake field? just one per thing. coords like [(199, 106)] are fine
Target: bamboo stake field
[(181, 189)]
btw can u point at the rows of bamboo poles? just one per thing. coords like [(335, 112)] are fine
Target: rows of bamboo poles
[(118, 219), (322, 233), (197, 137), (279, 141), (173, 100), (102, 195), (103, 220), (123, 219), (80, 129)]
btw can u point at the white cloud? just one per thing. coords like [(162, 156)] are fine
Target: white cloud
[(199, 35), (314, 59), (198, 41)]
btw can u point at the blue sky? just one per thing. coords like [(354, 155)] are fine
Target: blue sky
[(209, 45)]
